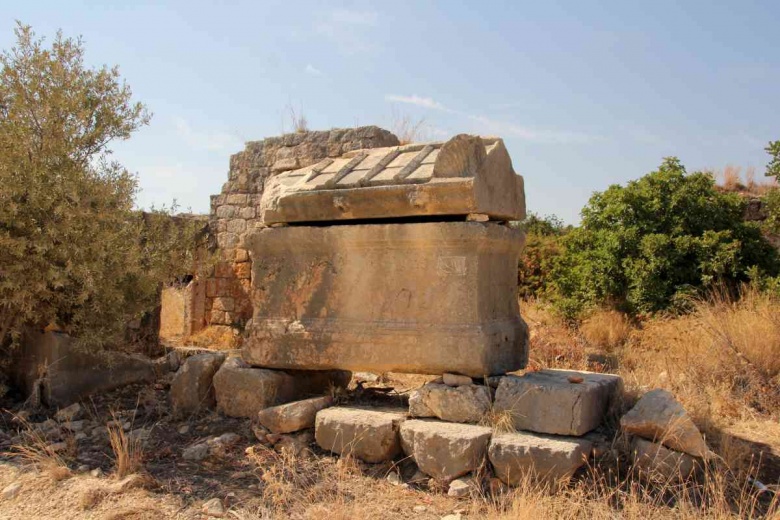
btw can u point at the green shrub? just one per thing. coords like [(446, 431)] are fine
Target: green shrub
[(647, 245), (542, 246), (73, 251)]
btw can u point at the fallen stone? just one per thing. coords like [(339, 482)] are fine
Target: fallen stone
[(242, 391), (297, 444), (192, 390), (369, 435), (57, 447), (11, 490), (658, 417), (463, 404), (295, 416), (394, 478), (69, 413), (72, 373), (444, 450), (74, 426), (196, 453), (550, 459), (547, 401), (214, 508), (460, 488), (658, 461)]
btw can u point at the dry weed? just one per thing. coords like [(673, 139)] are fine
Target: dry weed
[(37, 451), (217, 337), (607, 330), (128, 451)]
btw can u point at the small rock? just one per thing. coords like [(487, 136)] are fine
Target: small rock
[(48, 424), (184, 429), (57, 447), (84, 468), (261, 433), (394, 478), (69, 413), (214, 508), (459, 488), (419, 509), (74, 426), (196, 452), (80, 436), (295, 444), (658, 417), (11, 490), (456, 380), (97, 472), (133, 481), (454, 516)]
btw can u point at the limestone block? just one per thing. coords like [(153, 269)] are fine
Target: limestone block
[(560, 402), (424, 298), (237, 226), (226, 211), (444, 450), (242, 391), (657, 461), (548, 458), (191, 389), (369, 435), (462, 404), (456, 379), (465, 175), (48, 362), (237, 199), (295, 416), (658, 417)]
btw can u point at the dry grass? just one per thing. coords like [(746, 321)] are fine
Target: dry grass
[(128, 451), (731, 179), (407, 129), (607, 330), (40, 453), (216, 337)]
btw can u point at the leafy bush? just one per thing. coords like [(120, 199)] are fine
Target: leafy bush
[(542, 246), (643, 247), (773, 168), (73, 251)]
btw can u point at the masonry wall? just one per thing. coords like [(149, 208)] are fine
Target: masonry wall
[(233, 211)]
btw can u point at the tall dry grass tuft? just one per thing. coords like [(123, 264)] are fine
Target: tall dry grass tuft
[(607, 330), (128, 450), (47, 457)]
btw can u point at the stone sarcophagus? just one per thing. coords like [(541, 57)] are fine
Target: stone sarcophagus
[(392, 259)]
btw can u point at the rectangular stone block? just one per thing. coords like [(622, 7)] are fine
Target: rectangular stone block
[(423, 298), (548, 458), (370, 435), (561, 402)]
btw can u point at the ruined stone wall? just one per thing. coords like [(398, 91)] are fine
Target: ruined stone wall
[(233, 211)]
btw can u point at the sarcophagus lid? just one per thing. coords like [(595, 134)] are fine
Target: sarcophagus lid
[(465, 175)]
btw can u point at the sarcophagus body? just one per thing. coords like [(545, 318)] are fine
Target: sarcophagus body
[(402, 284)]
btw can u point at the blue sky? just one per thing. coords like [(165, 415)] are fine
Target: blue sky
[(585, 94)]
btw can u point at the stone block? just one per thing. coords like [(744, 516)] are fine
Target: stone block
[(242, 271), (237, 199), (228, 240), (295, 416), (192, 389), (560, 402), (658, 417), (49, 363), (242, 391), (444, 450), (424, 298), (369, 435), (656, 461), (551, 459), (237, 226), (462, 404), (226, 211), (247, 213)]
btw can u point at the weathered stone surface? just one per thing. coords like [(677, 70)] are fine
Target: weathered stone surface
[(462, 404), (560, 402), (465, 175), (444, 450), (548, 458), (48, 365), (426, 298), (658, 417), (658, 461), (242, 391), (369, 435), (191, 389), (291, 417), (456, 380)]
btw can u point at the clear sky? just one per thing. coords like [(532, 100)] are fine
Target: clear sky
[(585, 94)]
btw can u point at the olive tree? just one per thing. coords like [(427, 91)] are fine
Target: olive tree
[(73, 251)]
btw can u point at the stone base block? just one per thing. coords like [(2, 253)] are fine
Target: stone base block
[(295, 416), (547, 458), (369, 435), (560, 402), (47, 362), (462, 404), (242, 391), (657, 461), (444, 450), (423, 298), (192, 389)]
